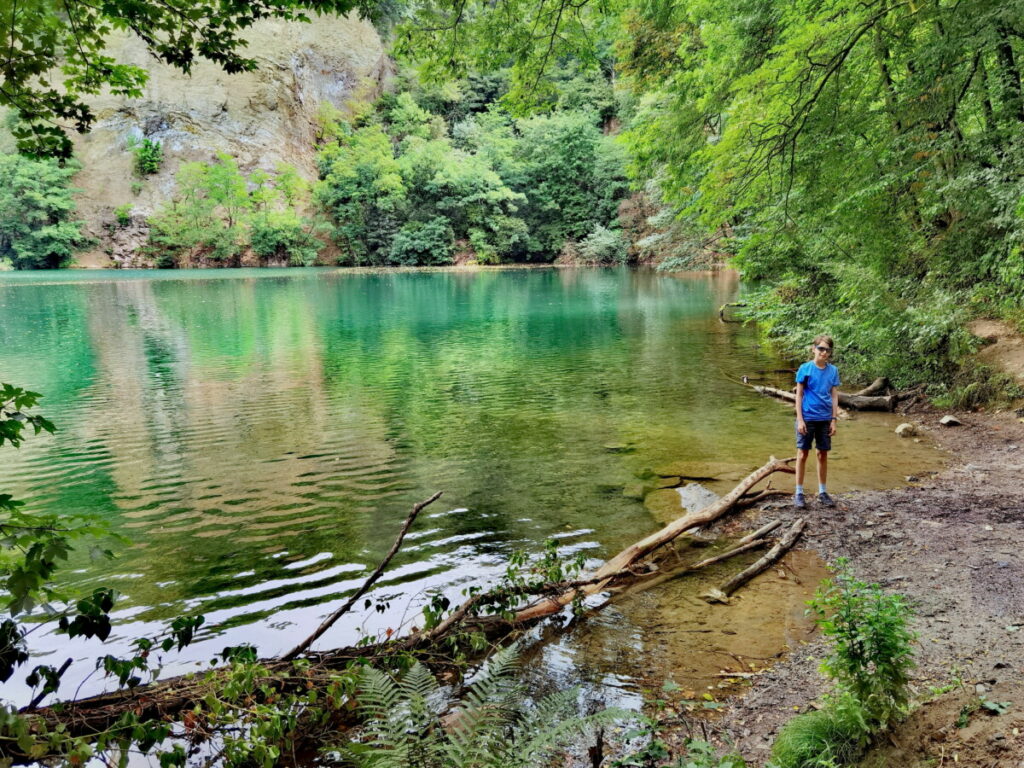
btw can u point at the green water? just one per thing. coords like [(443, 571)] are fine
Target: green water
[(261, 434)]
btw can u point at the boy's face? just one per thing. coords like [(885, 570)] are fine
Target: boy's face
[(822, 353)]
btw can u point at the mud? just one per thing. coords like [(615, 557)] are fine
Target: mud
[(952, 543)]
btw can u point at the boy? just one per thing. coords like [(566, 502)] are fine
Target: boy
[(817, 408)]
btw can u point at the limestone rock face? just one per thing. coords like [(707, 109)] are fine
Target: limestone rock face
[(262, 118)]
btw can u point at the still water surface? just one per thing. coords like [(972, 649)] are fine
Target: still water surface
[(259, 435)]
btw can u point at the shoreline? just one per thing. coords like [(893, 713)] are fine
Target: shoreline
[(951, 544)]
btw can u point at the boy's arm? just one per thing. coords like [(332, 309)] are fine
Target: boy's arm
[(835, 412), (801, 426)]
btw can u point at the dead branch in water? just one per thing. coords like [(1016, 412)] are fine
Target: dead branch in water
[(635, 552), (329, 621), (721, 595)]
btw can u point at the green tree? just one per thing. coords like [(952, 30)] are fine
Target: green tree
[(569, 186), (37, 225), (215, 215)]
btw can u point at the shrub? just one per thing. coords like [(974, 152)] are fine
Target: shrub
[(871, 643), (700, 754), (215, 216), (37, 228), (283, 234), (149, 156), (123, 214), (978, 385), (423, 242), (604, 246)]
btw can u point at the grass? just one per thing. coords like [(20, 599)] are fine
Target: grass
[(821, 739)]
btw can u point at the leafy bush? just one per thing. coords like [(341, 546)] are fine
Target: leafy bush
[(870, 658), (908, 330), (604, 246), (282, 234), (423, 242), (123, 214), (216, 216), (872, 652), (149, 156), (490, 728), (700, 754), (37, 228), (979, 385)]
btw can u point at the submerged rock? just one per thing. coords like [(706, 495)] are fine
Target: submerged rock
[(906, 430), (619, 447), (667, 504), (703, 470)]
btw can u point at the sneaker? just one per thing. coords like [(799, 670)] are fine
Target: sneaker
[(799, 502), (825, 500)]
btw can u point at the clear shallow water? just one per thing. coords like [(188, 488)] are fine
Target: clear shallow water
[(260, 435)]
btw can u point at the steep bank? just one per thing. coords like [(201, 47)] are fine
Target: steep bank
[(262, 118)]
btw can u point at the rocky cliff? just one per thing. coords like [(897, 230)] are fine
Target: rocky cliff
[(262, 118)]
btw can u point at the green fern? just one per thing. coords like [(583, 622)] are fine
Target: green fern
[(490, 727)]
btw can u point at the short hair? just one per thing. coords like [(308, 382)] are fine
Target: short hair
[(823, 339)]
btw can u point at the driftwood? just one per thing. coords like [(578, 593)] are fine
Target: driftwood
[(167, 698), (783, 545), (879, 386), (635, 552), (854, 402), (721, 311)]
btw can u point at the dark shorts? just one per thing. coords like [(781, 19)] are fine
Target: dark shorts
[(817, 432)]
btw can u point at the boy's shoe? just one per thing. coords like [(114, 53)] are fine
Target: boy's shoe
[(799, 501), (825, 500)]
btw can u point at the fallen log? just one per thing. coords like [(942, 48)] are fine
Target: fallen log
[(721, 595), (721, 311), (877, 387), (854, 402), (635, 552)]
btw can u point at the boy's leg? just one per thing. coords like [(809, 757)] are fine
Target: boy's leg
[(801, 465), (824, 445)]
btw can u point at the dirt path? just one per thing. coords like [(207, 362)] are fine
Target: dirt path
[(953, 543), (1004, 347)]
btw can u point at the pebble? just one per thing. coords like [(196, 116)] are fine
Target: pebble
[(949, 421), (980, 689)]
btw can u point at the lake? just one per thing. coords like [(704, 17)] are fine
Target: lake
[(259, 435)]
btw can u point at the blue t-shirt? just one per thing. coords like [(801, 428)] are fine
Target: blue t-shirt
[(818, 383)]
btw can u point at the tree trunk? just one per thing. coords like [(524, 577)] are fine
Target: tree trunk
[(1009, 76), (633, 553), (855, 402)]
